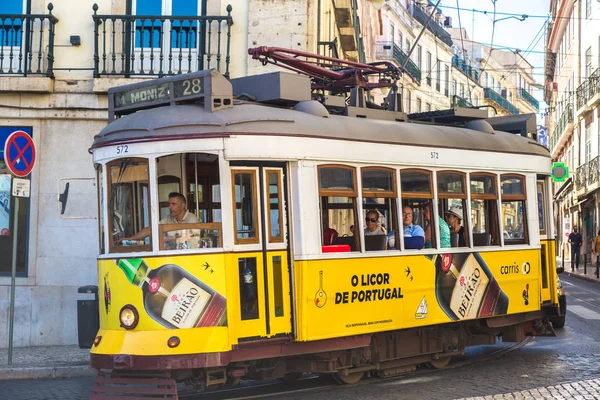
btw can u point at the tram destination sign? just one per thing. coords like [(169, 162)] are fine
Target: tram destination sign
[(130, 98), (159, 92)]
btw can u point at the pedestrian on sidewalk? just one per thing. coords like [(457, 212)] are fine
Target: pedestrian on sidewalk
[(597, 246), (575, 241)]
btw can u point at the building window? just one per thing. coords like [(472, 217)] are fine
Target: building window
[(407, 46), (485, 81), (447, 80), (588, 62), (438, 76), (588, 143), (408, 101), (453, 87), (588, 8), (419, 57), (418, 105), (427, 107), (393, 33), (493, 83), (428, 68)]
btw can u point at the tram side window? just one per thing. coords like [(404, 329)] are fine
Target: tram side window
[(417, 197), (514, 215), (338, 201), (189, 193), (129, 205), (452, 203), (484, 210), (379, 208), (246, 211)]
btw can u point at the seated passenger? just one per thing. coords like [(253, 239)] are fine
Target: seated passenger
[(414, 236), (178, 214), (373, 227), (329, 234), (444, 230), (454, 218)]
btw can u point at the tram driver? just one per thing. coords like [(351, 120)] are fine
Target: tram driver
[(178, 214)]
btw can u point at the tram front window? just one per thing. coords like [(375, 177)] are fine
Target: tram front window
[(129, 204), (189, 193)]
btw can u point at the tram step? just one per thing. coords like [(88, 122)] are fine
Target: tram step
[(109, 387)]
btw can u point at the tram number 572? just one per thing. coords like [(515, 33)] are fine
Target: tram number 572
[(122, 149), (435, 155)]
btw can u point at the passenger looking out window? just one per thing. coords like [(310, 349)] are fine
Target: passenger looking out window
[(373, 227), (454, 217), (428, 227), (380, 205), (414, 236)]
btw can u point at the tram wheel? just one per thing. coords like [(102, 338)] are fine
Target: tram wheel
[(349, 379), (439, 363)]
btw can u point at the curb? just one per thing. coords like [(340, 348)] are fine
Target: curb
[(591, 279), (74, 371)]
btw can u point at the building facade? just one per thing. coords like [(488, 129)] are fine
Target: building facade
[(573, 93)]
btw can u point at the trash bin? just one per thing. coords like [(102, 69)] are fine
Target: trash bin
[(88, 316)]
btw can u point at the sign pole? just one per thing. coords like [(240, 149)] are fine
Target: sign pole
[(12, 282)]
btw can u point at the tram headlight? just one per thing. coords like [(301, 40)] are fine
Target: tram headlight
[(129, 317)]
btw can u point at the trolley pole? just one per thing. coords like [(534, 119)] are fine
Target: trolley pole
[(11, 323)]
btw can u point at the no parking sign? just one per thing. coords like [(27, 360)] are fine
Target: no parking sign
[(19, 153)]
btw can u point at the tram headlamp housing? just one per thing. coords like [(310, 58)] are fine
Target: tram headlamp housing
[(129, 317), (173, 342)]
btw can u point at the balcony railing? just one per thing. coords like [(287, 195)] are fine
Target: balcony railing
[(328, 49), (489, 94), (391, 51), (593, 171), (458, 101), (565, 119), (525, 95), (581, 177), (134, 45), (588, 89), (433, 27), (27, 43), (467, 69)]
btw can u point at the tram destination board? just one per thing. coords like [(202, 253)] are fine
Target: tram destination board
[(137, 96)]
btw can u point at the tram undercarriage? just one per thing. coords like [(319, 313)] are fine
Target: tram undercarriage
[(347, 359)]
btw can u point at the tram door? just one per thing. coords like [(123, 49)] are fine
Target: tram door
[(261, 251), (547, 256)]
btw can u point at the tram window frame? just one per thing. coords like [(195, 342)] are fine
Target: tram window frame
[(490, 201), (101, 201), (116, 248), (268, 197), (515, 198), (445, 198), (417, 200), (327, 194), (541, 203), (254, 208), (389, 205)]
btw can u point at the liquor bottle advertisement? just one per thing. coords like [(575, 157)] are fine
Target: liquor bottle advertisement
[(362, 295), (168, 292)]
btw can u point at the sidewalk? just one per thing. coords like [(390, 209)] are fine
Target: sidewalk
[(581, 272), (45, 362)]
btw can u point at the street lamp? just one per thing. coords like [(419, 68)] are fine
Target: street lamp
[(377, 4)]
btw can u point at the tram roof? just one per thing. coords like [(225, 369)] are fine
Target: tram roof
[(179, 122)]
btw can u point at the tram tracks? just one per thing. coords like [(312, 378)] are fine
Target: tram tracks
[(320, 383)]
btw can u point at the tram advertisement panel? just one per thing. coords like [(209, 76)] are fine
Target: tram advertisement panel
[(353, 296), (174, 292)]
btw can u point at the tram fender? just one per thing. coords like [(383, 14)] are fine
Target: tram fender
[(513, 319)]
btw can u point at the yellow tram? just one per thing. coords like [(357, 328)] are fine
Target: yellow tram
[(270, 271)]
